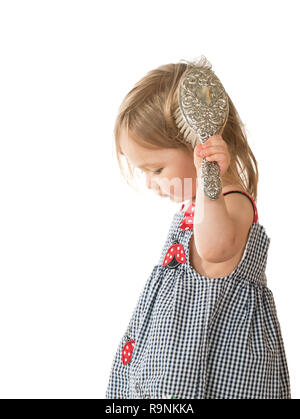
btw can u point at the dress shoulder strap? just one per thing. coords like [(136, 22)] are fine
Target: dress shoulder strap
[(255, 219)]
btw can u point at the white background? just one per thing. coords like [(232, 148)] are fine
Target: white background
[(77, 243)]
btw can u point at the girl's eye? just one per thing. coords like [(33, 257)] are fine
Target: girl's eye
[(158, 171)]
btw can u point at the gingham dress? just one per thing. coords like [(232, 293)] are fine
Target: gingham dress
[(196, 337)]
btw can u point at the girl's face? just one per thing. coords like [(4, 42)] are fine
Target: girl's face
[(169, 172)]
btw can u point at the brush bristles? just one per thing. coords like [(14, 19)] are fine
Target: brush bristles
[(201, 62), (188, 133)]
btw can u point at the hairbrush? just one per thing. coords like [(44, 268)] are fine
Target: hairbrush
[(202, 112)]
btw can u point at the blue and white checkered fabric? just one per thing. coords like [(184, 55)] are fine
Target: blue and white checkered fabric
[(204, 338)]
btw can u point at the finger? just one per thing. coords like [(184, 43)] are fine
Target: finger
[(205, 145), (215, 156), (215, 139), (212, 149), (219, 160), (198, 148)]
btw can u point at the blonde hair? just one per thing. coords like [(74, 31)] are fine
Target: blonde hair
[(146, 114)]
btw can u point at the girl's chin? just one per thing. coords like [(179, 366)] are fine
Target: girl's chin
[(176, 199), (182, 199)]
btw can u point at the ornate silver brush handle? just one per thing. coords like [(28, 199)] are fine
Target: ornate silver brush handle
[(203, 111), (210, 179)]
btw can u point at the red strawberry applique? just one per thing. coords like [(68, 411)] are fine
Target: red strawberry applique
[(127, 351), (174, 255)]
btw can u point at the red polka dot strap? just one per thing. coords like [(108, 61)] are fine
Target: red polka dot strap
[(255, 218)]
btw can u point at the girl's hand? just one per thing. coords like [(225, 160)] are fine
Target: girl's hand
[(214, 149)]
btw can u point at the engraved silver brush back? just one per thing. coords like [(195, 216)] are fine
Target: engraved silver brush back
[(202, 112)]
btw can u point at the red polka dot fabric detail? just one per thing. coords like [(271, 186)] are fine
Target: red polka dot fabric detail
[(127, 351), (187, 222)]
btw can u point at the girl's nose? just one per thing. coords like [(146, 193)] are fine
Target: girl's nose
[(148, 181)]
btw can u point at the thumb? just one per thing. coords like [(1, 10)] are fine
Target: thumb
[(197, 158)]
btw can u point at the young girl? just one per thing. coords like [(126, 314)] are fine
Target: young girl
[(205, 325)]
